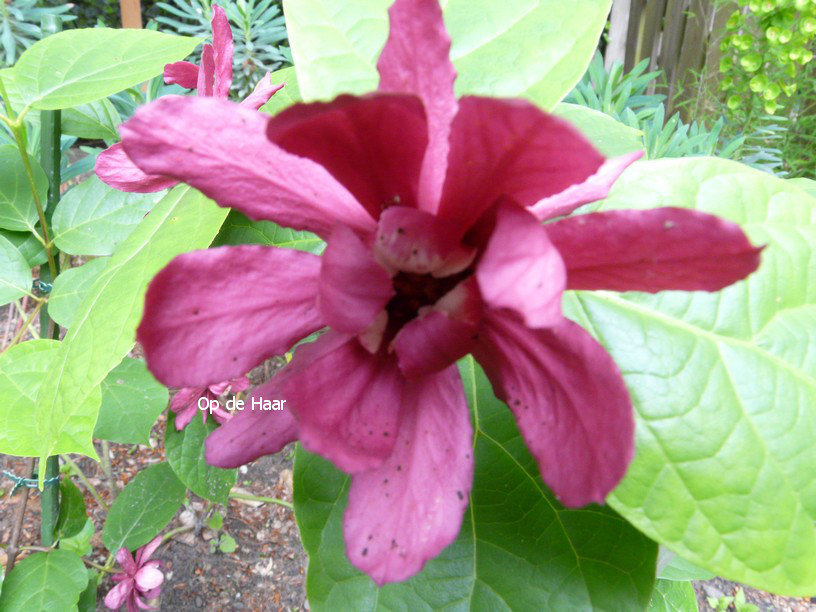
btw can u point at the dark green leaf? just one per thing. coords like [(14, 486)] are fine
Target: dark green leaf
[(31, 248), (143, 508), (72, 514), (518, 549), (185, 453), (132, 400), (239, 229), (44, 581), (18, 209), (97, 120), (87, 600)]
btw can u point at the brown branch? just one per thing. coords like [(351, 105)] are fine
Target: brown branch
[(17, 521)]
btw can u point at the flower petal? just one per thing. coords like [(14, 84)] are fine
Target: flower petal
[(234, 385), (417, 24), (250, 434), (181, 73), (185, 406), (216, 145), (510, 148), (264, 90), (408, 510), (569, 400), (148, 578), (521, 270), (441, 335), (125, 561), (215, 314), (417, 242), (115, 168), (653, 250), (206, 74), (118, 594), (346, 401), (595, 188), (146, 551), (373, 145), (139, 604), (223, 46), (353, 287)]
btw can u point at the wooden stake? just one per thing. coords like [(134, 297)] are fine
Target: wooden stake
[(131, 13)]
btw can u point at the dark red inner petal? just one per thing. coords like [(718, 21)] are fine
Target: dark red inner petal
[(373, 145), (413, 292)]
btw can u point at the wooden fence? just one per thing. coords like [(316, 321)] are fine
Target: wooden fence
[(682, 38)]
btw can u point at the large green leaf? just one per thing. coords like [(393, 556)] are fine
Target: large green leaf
[(23, 368), (97, 120), (185, 453), (18, 210), (240, 229), (671, 596), (132, 400), (283, 98), (72, 515), (536, 49), (724, 384), (70, 289), (806, 184), (80, 66), (143, 508), (105, 326), (15, 275), (610, 137), (31, 248), (93, 219), (518, 549), (44, 581)]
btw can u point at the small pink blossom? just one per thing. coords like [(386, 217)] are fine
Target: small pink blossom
[(140, 579), (186, 402), (212, 79), (444, 238)]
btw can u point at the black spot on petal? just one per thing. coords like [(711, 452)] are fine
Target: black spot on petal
[(365, 552), (459, 495)]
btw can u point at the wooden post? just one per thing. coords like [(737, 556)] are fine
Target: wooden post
[(616, 50), (131, 13)]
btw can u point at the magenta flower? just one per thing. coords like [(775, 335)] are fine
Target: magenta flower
[(141, 578), (186, 402), (212, 78), (432, 210)]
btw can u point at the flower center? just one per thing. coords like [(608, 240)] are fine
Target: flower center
[(415, 291)]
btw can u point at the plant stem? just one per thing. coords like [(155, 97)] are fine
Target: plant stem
[(174, 532), (18, 336), (75, 469), (106, 468), (49, 502), (17, 521), (255, 498)]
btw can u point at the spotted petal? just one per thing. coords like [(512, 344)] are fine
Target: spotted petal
[(405, 512), (214, 315), (221, 149)]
